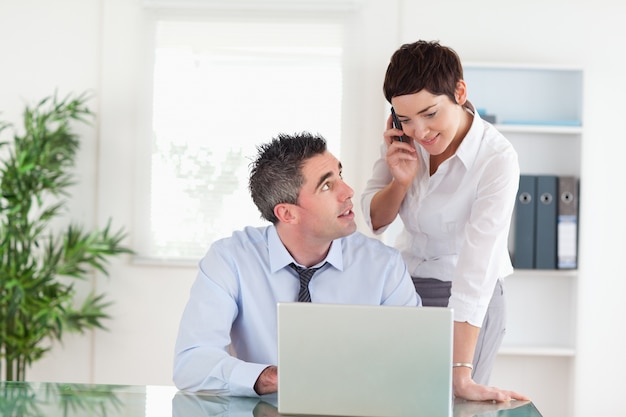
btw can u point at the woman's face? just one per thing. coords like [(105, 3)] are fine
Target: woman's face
[(433, 121)]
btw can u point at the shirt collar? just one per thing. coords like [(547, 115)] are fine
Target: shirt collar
[(468, 150), (280, 257)]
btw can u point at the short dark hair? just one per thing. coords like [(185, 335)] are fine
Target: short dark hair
[(276, 174), (423, 65)]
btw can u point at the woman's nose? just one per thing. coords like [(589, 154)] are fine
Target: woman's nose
[(419, 130)]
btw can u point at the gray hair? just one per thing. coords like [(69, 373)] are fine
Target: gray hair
[(276, 174)]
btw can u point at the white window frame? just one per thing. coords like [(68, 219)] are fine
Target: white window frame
[(189, 224), (125, 99)]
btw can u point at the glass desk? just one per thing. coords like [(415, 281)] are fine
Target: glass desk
[(22, 399)]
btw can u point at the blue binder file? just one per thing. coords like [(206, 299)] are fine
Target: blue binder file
[(567, 223), (545, 232), (524, 223)]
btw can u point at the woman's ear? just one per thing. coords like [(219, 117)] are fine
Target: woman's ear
[(460, 94), (286, 213)]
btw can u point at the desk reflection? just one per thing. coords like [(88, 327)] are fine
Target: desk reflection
[(202, 405), (24, 399), (205, 405)]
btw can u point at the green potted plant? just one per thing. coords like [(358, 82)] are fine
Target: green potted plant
[(39, 263)]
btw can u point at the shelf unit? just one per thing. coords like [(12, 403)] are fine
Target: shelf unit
[(539, 109), (548, 101)]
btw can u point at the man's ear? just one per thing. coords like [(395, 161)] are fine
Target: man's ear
[(286, 213), (460, 94)]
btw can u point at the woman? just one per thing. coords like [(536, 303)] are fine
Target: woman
[(453, 181)]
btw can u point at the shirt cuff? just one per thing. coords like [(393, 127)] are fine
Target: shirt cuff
[(243, 378), (366, 203), (472, 314)]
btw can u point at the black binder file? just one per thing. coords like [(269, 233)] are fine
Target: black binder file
[(545, 232), (567, 223), (524, 223)]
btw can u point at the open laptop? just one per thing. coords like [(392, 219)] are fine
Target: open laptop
[(364, 360)]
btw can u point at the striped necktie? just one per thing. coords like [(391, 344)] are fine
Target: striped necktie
[(305, 277)]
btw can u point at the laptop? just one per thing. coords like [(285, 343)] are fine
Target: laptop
[(364, 360)]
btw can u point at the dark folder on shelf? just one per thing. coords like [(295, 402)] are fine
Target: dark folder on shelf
[(524, 223), (567, 223), (545, 232)]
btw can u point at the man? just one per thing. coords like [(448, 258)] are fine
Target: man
[(227, 336)]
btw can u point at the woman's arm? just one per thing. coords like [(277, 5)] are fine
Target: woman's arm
[(392, 176), (465, 337)]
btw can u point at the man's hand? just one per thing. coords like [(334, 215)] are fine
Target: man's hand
[(267, 382)]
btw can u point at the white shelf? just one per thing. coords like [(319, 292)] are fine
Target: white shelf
[(546, 129), (541, 273), (517, 66), (536, 351)]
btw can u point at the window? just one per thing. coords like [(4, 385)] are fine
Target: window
[(219, 89)]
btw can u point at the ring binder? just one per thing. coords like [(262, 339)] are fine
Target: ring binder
[(546, 230), (567, 223), (524, 223)]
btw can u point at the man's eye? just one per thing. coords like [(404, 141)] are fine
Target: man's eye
[(326, 187)]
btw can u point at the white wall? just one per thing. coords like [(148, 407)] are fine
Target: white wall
[(48, 46), (74, 45)]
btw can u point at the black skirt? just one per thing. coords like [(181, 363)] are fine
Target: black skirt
[(434, 292)]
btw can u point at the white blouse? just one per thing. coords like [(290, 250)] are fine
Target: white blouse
[(456, 222)]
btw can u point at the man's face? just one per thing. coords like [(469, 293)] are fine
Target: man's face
[(324, 203)]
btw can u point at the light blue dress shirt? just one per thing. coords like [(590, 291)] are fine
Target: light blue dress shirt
[(227, 333)]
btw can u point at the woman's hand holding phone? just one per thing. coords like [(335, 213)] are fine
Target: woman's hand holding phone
[(396, 124), (401, 155)]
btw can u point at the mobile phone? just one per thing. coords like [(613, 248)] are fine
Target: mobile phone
[(397, 125)]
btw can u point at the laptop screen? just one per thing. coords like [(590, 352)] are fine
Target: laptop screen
[(359, 360)]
